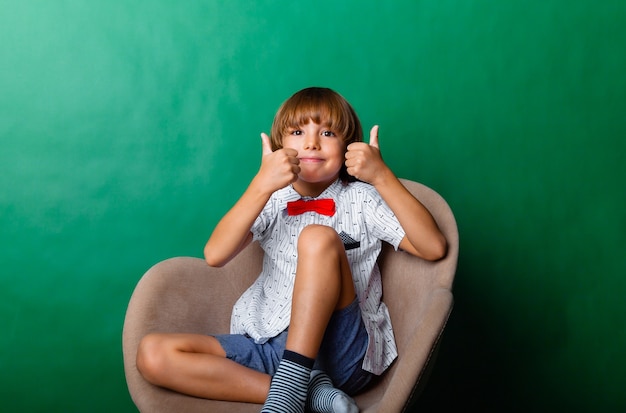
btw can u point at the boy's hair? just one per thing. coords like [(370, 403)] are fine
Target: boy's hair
[(323, 106)]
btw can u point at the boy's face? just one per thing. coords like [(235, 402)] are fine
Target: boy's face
[(320, 151)]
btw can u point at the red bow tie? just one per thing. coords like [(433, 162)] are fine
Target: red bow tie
[(321, 206)]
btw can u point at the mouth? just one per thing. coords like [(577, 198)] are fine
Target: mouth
[(308, 159)]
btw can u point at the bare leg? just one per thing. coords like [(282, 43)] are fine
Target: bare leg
[(323, 284), (197, 365)]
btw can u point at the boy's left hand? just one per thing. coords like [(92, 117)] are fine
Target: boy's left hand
[(364, 161)]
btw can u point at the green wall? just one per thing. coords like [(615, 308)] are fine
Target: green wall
[(128, 127)]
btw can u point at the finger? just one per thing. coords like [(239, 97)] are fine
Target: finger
[(374, 136), (355, 147), (265, 142), (351, 171), (292, 153)]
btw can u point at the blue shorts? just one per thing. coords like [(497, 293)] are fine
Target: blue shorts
[(341, 352)]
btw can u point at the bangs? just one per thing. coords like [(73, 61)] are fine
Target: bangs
[(321, 111), (319, 105)]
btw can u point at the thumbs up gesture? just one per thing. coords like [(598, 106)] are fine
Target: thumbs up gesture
[(363, 160), (278, 168)]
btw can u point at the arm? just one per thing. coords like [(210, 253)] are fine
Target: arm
[(232, 233), (423, 237)]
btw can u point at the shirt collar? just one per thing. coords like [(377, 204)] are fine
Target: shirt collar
[(288, 194)]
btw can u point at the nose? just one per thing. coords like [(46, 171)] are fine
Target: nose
[(311, 141)]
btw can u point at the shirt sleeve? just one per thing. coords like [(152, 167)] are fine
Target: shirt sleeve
[(383, 222), (265, 219), (261, 222)]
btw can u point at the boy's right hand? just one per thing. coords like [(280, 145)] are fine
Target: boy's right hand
[(278, 168)]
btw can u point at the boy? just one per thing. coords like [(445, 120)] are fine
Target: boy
[(312, 329)]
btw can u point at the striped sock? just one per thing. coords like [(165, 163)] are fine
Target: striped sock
[(289, 385), (324, 398)]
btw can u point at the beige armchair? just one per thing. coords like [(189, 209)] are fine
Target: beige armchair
[(185, 295)]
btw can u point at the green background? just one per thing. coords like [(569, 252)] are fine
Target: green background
[(129, 127)]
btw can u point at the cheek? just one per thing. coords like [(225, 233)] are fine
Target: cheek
[(288, 143), (340, 158)]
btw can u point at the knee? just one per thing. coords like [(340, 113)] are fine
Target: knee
[(151, 358), (318, 239)]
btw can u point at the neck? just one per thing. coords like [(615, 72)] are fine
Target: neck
[(311, 189)]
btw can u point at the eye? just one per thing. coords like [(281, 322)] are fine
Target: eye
[(328, 133), (295, 132)]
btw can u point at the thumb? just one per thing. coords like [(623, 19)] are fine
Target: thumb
[(374, 136), (267, 146)]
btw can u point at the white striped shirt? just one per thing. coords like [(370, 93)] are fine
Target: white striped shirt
[(363, 221)]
